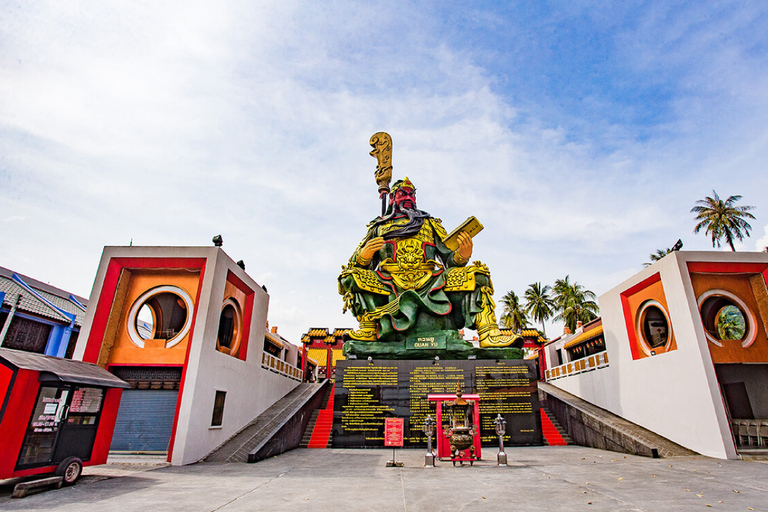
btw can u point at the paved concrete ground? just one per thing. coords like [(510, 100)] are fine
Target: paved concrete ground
[(539, 478)]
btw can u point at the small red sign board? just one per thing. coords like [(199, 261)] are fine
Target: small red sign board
[(393, 431)]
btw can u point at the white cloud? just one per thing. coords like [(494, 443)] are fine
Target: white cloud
[(167, 126), (762, 243)]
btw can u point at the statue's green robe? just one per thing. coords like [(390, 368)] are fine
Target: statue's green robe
[(413, 284)]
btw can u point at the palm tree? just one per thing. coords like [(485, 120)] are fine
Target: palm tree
[(574, 303), (730, 324), (514, 315), (660, 253), (538, 303), (722, 219)]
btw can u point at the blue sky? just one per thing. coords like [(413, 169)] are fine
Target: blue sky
[(580, 134)]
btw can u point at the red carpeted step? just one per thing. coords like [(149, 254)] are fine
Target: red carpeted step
[(550, 432), (322, 431)]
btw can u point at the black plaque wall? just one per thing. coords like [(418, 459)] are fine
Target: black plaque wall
[(367, 392)]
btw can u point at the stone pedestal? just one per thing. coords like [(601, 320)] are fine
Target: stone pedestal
[(443, 344)]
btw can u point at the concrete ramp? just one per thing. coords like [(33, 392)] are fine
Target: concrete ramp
[(276, 430), (589, 425)]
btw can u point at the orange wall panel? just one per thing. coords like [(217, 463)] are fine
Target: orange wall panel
[(634, 301), (732, 351), (154, 352), (231, 291)]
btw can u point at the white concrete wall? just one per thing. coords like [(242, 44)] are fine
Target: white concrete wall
[(291, 353), (250, 389), (675, 394)]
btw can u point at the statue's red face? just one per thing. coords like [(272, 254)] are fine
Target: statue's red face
[(405, 197)]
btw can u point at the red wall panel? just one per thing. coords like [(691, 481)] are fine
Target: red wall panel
[(16, 418)]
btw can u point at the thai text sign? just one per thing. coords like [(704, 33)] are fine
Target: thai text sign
[(393, 431), (367, 394)]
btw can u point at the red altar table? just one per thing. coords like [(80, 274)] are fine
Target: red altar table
[(443, 442)]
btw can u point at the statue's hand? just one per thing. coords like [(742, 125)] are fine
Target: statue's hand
[(370, 248), (465, 246)]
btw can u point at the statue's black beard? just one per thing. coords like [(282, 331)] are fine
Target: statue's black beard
[(416, 219)]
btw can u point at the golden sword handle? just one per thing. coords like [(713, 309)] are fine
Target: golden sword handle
[(381, 143)]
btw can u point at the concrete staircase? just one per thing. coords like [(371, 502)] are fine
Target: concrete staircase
[(276, 430), (310, 428), (318, 432)]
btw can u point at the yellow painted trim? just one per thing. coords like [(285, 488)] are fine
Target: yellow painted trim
[(584, 336), (275, 342)]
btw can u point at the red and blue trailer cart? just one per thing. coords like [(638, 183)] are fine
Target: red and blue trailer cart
[(56, 415)]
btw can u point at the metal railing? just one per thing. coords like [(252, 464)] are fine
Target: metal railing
[(750, 433), (273, 364), (587, 364)]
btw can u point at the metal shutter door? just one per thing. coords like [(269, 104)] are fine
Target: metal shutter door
[(145, 420)]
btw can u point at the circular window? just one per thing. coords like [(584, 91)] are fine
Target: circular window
[(145, 322), (726, 318), (230, 321), (653, 327), (162, 313)]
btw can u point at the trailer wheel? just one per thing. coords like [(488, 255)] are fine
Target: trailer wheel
[(70, 470)]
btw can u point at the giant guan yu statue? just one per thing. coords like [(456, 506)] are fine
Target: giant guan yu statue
[(408, 277)]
